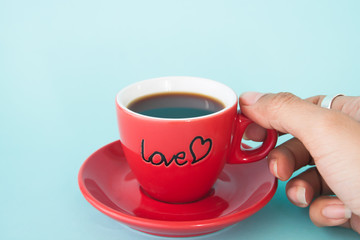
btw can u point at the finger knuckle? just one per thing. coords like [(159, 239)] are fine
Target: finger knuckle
[(280, 101), (352, 108)]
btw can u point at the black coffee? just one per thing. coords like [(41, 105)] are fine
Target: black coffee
[(176, 105)]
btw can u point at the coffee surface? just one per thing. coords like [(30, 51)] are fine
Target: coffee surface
[(176, 105)]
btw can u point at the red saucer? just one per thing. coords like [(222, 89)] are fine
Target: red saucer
[(107, 183)]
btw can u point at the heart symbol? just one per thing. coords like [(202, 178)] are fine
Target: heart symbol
[(202, 147)]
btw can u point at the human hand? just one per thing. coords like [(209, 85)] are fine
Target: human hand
[(328, 139)]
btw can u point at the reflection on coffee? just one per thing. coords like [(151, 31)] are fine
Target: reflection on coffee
[(176, 105)]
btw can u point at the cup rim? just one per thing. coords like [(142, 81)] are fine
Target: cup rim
[(166, 87)]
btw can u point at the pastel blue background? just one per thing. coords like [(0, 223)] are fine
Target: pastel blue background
[(62, 62)]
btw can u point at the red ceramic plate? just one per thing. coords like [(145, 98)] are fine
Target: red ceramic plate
[(108, 184)]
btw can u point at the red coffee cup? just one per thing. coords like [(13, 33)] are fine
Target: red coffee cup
[(178, 160)]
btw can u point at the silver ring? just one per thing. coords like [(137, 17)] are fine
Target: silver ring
[(328, 100)]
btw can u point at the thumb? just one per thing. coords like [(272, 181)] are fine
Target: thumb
[(284, 112)]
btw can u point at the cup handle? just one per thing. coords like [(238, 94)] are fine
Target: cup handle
[(238, 155)]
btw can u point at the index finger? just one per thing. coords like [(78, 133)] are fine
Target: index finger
[(350, 105)]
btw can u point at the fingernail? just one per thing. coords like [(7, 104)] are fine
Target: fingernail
[(250, 98), (336, 212), (301, 196), (273, 167), (297, 195)]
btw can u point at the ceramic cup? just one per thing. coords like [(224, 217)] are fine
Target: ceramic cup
[(178, 160)]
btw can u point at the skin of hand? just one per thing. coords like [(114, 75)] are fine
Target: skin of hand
[(328, 139)]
